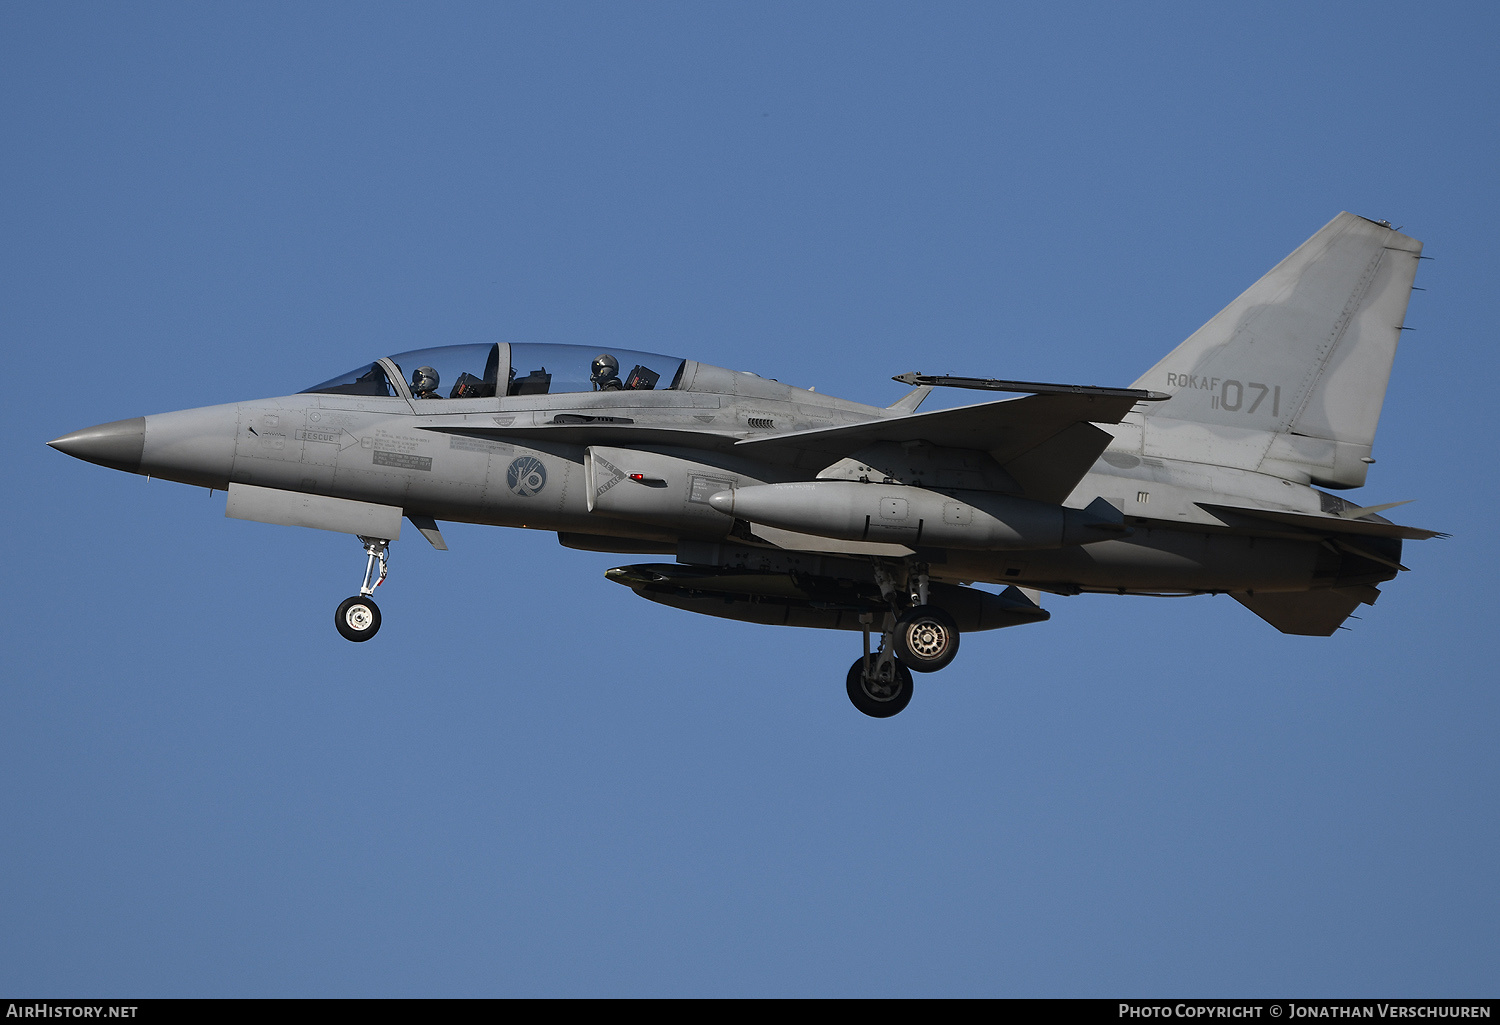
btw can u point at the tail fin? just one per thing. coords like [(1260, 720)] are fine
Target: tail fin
[(1289, 378)]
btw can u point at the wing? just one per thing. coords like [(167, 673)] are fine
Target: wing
[(1045, 442)]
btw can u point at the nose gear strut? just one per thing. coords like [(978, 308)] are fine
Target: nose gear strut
[(358, 618), (375, 548)]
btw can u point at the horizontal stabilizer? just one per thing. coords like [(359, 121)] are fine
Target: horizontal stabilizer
[(1308, 613), (1324, 524)]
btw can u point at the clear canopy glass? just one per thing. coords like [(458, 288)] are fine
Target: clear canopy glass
[(538, 369), (369, 379), (450, 371), (471, 372)]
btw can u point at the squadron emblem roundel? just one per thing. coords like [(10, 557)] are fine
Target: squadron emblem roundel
[(526, 476)]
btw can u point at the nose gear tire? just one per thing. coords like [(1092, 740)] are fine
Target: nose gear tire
[(877, 699), (357, 618), (926, 639)]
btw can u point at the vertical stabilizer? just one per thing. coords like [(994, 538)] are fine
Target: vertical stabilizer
[(1289, 378)]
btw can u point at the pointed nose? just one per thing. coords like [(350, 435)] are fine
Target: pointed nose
[(118, 445)]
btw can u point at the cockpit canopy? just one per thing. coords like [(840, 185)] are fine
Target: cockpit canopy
[(474, 371), (547, 369), (450, 371), (369, 379)]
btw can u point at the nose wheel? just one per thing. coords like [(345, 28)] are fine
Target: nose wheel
[(358, 618)]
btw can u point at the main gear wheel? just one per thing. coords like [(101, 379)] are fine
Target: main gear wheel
[(879, 691), (926, 639)]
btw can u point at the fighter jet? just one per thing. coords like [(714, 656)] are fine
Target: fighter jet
[(774, 504)]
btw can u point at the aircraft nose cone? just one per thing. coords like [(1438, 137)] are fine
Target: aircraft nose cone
[(118, 445), (723, 501)]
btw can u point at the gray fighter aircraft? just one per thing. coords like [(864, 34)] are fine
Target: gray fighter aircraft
[(784, 506)]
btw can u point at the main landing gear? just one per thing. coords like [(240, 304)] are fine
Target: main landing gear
[(915, 637), (878, 685), (358, 618)]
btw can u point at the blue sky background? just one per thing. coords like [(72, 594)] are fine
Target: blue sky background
[(533, 782)]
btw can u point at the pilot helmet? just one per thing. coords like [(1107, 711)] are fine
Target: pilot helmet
[(424, 379), (605, 367)]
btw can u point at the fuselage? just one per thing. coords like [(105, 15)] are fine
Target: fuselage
[(526, 460)]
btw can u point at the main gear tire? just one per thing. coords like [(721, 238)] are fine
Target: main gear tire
[(926, 639), (875, 698), (357, 618)]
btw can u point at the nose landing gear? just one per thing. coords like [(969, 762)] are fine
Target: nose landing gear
[(358, 618)]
